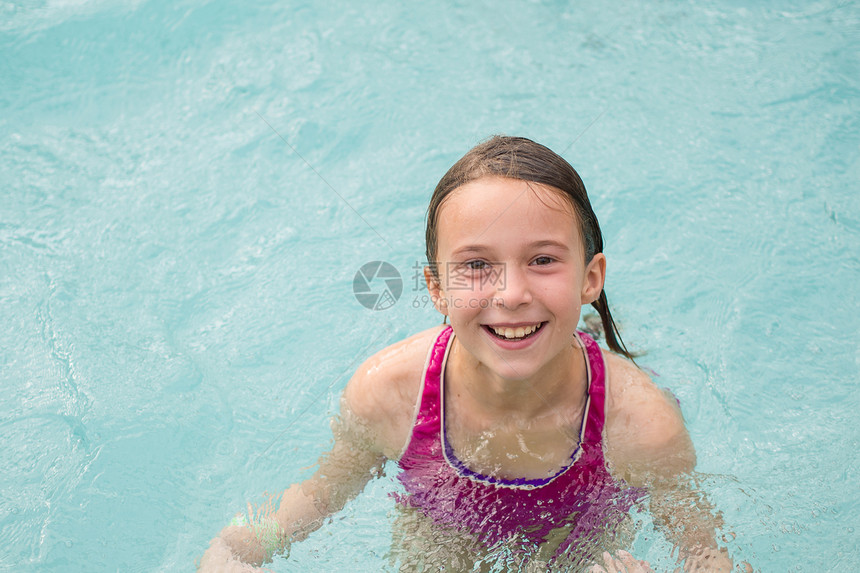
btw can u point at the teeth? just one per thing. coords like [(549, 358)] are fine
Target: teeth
[(517, 332)]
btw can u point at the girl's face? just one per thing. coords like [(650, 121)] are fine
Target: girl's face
[(512, 277)]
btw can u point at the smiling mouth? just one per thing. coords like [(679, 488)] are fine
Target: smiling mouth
[(514, 333)]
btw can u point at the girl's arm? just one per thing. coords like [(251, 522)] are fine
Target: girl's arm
[(374, 424), (648, 446), (254, 538)]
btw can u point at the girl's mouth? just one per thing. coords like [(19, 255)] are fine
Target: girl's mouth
[(514, 333)]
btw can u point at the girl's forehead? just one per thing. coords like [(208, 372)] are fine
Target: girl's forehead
[(497, 206), (494, 195)]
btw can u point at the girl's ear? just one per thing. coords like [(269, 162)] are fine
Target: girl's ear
[(435, 290), (592, 282)]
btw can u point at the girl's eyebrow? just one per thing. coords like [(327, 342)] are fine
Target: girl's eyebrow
[(550, 243), (479, 248), (471, 249)]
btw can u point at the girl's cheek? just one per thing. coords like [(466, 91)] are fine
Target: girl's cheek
[(468, 300), (481, 294)]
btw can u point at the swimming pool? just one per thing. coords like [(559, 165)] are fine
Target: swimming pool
[(188, 189)]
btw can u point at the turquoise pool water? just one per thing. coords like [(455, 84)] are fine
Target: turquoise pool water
[(187, 190)]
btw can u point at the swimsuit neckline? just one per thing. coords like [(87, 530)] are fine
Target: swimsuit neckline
[(525, 483)]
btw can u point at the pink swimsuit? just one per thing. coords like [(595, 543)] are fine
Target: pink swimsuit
[(582, 497)]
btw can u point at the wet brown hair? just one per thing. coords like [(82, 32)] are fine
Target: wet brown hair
[(523, 159)]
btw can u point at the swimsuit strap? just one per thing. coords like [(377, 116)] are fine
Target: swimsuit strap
[(425, 430), (596, 390), (438, 358)]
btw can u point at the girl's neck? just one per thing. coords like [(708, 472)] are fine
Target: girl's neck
[(557, 386)]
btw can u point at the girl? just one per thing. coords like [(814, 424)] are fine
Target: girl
[(517, 437)]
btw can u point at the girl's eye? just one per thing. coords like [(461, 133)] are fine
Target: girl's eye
[(477, 265), (542, 261)]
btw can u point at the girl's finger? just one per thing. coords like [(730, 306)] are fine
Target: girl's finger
[(628, 560), (612, 565), (632, 564)]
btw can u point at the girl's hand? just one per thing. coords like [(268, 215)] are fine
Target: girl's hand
[(227, 552), (708, 560), (624, 563)]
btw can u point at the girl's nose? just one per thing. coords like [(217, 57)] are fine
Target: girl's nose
[(515, 290)]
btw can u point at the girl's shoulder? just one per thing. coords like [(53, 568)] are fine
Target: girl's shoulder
[(630, 388), (383, 392), (644, 428)]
